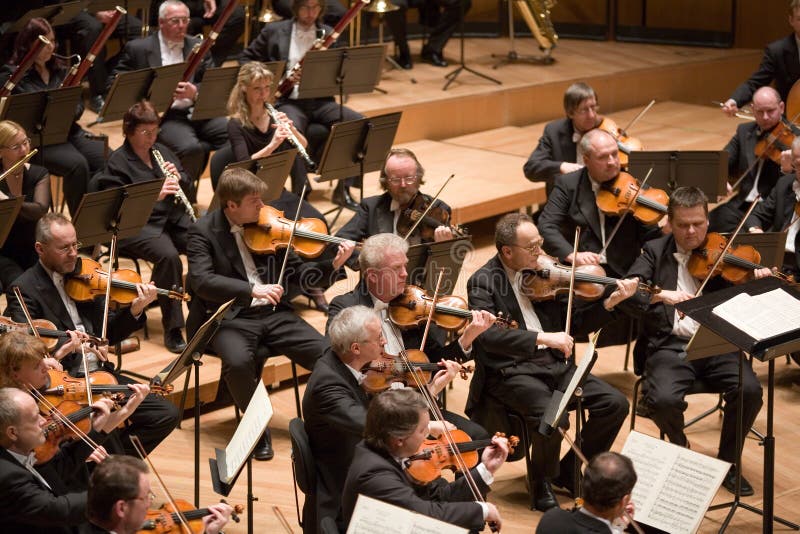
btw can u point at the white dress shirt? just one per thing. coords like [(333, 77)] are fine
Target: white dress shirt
[(687, 326)]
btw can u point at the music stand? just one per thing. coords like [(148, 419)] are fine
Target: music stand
[(356, 148), (451, 76), (212, 101), (425, 260), (56, 15), (706, 169), (273, 171), (701, 310), (9, 209), (770, 245), (155, 84)]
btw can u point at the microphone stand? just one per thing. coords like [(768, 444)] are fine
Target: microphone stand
[(451, 77)]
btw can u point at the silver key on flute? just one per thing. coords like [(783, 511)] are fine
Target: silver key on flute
[(292, 138)]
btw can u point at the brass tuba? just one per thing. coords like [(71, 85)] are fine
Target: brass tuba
[(537, 16)]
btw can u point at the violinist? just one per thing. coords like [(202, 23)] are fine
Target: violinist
[(664, 335), (396, 425), (222, 268), (120, 494), (335, 404), (763, 172), (43, 290), (520, 368), (558, 151)]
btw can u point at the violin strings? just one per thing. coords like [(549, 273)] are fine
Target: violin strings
[(66, 421)]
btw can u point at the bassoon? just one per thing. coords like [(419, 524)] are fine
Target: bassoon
[(79, 70), (24, 65)]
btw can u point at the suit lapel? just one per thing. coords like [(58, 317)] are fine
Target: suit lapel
[(587, 205), (50, 299), (498, 273), (154, 51), (344, 371), (668, 269), (383, 217), (284, 42), (227, 242)]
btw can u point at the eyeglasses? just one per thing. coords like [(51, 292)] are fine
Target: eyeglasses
[(25, 143), (148, 132), (585, 110), (67, 248), (150, 498), (176, 21), (532, 249), (405, 180)]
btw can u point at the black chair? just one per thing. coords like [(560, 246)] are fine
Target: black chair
[(304, 471), (698, 387)]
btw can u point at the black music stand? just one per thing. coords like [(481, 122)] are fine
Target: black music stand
[(701, 310), (426, 260), (155, 84), (357, 147), (56, 15), (451, 76), (9, 209), (212, 101), (273, 171), (706, 169)]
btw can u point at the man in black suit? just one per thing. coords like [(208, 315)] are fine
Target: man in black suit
[(191, 140), (665, 334), (520, 368), (763, 172), (289, 40), (781, 64), (557, 151), (42, 288), (397, 423), (607, 485), (222, 268)]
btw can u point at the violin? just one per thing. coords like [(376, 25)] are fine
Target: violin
[(272, 232), (89, 281), (451, 313), (46, 329), (435, 217), (434, 455), (551, 278), (737, 265), (772, 143), (380, 374), (625, 143), (614, 197), (61, 386), (165, 519)]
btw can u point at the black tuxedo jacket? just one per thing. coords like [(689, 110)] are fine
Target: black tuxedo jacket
[(777, 210), (572, 203), (570, 522), (555, 147), (780, 63), (377, 475), (741, 154), (272, 44)]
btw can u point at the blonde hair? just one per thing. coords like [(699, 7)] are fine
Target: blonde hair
[(249, 73), (8, 131)]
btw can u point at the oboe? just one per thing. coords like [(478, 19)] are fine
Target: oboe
[(292, 138), (180, 196)]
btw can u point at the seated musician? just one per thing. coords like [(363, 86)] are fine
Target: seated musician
[(43, 290), (163, 239), (558, 151), (32, 183), (191, 140), (396, 425), (222, 268), (289, 40), (664, 336), (521, 367), (763, 172), (120, 494), (608, 481), (79, 157), (332, 11), (335, 404)]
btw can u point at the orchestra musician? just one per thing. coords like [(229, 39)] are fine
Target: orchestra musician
[(119, 496), (335, 405), (558, 150), (222, 268), (396, 425), (191, 140), (768, 110), (521, 367), (331, 13), (42, 288), (32, 183), (780, 64), (289, 40), (664, 336), (608, 481), (163, 239)]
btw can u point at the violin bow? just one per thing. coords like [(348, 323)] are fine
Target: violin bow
[(59, 415), (137, 444), (18, 295), (432, 310), (430, 206), (743, 113), (638, 116), (625, 213), (291, 240), (571, 297)]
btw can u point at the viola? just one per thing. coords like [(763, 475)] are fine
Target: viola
[(89, 281), (272, 232), (165, 519), (737, 265), (551, 278), (625, 142), (614, 197), (772, 143), (451, 313), (380, 374), (46, 329), (434, 455), (62, 386), (435, 217)]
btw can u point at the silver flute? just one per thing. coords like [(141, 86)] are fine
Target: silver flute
[(292, 138), (180, 196)]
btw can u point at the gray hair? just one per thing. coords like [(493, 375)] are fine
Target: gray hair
[(44, 226), (9, 408), (166, 4), (348, 327), (589, 137), (376, 247)]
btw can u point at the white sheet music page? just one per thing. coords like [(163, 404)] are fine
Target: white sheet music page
[(761, 316), (372, 516), (254, 421)]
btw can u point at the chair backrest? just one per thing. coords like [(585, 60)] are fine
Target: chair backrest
[(305, 472)]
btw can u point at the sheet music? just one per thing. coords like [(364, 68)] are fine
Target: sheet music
[(761, 316), (674, 486), (254, 421), (371, 516), (580, 372)]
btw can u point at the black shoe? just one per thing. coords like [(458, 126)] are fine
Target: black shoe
[(543, 497), (174, 342), (432, 57), (729, 483), (565, 484), (317, 296), (643, 408), (96, 103), (403, 57), (341, 197), (263, 450)]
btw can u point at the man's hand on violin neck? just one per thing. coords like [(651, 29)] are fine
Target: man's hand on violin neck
[(442, 233), (145, 294), (560, 341), (482, 320), (495, 455), (444, 376), (626, 288), (343, 253)]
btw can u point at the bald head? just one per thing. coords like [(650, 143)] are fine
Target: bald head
[(767, 108)]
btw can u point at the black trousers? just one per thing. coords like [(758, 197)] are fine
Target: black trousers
[(669, 377), (442, 16), (231, 30), (76, 161), (192, 141), (529, 394), (152, 421)]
